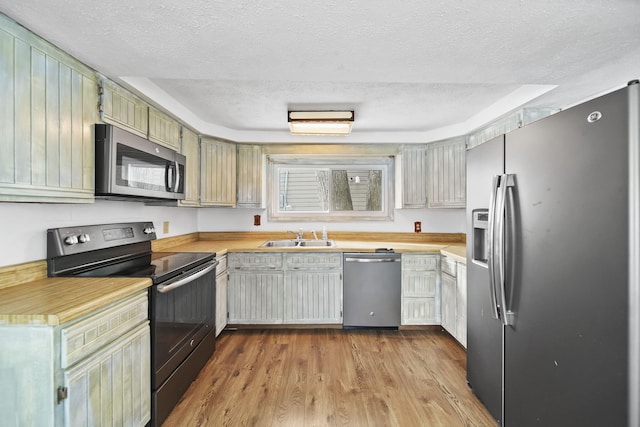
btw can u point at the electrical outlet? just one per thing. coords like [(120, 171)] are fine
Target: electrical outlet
[(165, 227)]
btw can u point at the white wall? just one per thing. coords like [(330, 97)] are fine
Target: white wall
[(23, 226), (433, 221)]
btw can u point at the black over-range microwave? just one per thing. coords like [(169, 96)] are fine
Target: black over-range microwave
[(130, 166)]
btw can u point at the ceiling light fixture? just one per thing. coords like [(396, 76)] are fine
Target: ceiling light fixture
[(320, 122)]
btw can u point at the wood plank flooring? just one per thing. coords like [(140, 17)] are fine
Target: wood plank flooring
[(332, 377)]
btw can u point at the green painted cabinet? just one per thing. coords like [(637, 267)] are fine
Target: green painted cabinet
[(163, 129), (120, 107), (249, 179), (95, 370), (190, 147), (47, 114), (217, 172)]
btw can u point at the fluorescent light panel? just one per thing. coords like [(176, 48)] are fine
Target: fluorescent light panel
[(320, 122)]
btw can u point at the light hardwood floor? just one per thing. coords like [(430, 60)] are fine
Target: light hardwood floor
[(332, 377)]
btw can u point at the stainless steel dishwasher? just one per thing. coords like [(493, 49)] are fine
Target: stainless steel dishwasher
[(371, 296)]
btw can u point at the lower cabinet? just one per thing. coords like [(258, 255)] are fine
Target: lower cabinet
[(461, 303), (420, 289), (313, 288), (454, 299), (222, 282), (95, 370), (285, 288)]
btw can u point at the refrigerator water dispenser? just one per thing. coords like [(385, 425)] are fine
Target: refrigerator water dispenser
[(480, 237)]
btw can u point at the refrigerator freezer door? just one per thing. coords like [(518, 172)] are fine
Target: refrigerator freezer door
[(565, 354), (484, 339)]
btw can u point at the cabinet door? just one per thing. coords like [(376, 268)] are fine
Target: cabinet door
[(420, 289), (163, 129), (191, 150), (461, 304), (47, 113), (313, 296), (249, 176), (414, 176), (449, 304), (447, 174), (218, 173), (256, 297), (123, 109), (113, 387)]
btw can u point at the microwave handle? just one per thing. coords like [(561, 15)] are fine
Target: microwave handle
[(168, 176), (176, 184)]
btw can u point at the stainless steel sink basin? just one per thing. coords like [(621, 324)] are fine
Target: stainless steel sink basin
[(317, 243), (298, 244), (279, 244)]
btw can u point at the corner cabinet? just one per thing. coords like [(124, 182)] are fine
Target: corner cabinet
[(47, 113), (420, 289), (249, 181), (414, 176), (191, 150), (217, 172), (447, 174), (95, 370)]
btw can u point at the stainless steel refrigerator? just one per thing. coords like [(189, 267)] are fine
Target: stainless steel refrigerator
[(547, 265)]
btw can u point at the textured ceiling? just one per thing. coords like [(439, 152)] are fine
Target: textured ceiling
[(413, 71)]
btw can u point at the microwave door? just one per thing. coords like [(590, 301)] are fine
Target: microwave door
[(142, 174)]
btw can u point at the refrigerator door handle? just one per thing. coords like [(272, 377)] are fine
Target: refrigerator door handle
[(491, 250), (507, 183)]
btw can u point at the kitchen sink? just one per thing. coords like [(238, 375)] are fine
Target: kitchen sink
[(298, 244)]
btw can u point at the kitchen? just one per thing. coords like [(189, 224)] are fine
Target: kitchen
[(27, 223)]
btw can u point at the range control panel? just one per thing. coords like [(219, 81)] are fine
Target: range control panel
[(74, 240)]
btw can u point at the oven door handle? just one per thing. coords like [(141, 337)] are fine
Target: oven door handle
[(210, 266)]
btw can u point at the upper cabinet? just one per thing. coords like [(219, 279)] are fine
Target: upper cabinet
[(47, 113), (446, 176), (123, 109), (163, 129), (191, 150), (414, 176), (249, 177), (217, 172)]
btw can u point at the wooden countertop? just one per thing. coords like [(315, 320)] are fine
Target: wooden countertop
[(57, 300), (253, 244)]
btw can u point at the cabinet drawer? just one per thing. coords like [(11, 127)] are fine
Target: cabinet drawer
[(87, 336), (449, 266), (312, 260), (419, 262), (254, 260)]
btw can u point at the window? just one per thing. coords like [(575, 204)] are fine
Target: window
[(310, 188)]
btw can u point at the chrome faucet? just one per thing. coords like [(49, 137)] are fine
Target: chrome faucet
[(299, 235)]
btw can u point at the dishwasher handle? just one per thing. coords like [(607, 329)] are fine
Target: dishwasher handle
[(372, 259)]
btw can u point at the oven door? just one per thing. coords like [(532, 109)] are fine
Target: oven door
[(182, 313)]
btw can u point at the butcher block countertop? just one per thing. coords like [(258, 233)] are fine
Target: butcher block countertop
[(221, 243), (57, 300)]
